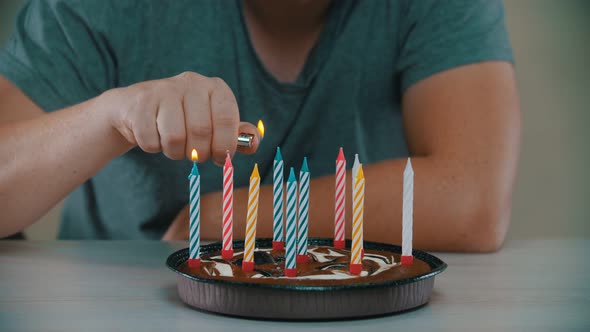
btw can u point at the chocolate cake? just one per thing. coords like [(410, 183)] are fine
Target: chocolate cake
[(326, 266), (323, 288)]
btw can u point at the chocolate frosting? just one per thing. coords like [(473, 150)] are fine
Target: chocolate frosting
[(326, 267)]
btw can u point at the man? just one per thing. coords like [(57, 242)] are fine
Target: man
[(104, 99)]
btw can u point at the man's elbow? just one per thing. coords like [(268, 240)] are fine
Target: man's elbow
[(487, 226)]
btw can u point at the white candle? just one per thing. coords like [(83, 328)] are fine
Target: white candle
[(407, 214)]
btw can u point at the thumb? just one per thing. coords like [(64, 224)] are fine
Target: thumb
[(248, 128)]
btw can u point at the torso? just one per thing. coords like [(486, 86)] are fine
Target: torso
[(342, 90)]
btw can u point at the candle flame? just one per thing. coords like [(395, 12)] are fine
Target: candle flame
[(261, 128), (194, 155)]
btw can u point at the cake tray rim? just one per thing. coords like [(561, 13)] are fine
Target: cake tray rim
[(437, 266)]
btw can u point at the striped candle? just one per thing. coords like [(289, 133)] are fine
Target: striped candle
[(303, 224), (194, 177), (249, 243), (340, 201), (291, 238), (407, 214), (357, 222), (227, 251), (278, 242), (355, 168)]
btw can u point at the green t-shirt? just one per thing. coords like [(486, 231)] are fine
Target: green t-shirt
[(348, 94)]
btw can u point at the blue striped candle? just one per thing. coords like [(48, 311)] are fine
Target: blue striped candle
[(291, 238), (277, 186), (194, 259), (303, 214)]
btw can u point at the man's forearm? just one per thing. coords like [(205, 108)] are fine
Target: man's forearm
[(447, 207), (45, 158)]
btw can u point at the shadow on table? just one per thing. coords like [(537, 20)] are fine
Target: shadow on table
[(17, 236), (170, 293)]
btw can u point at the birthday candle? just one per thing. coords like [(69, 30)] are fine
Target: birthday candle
[(340, 201), (355, 167), (303, 213), (228, 209), (291, 238), (194, 213), (277, 186), (357, 221), (248, 261), (407, 214)]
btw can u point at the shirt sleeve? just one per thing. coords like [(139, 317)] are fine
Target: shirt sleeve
[(55, 56), (438, 35)]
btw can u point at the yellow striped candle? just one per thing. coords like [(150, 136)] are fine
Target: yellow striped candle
[(358, 202), (355, 167), (249, 243)]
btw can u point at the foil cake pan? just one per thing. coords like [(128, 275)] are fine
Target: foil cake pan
[(304, 302)]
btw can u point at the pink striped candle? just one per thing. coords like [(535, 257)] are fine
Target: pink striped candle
[(227, 251), (340, 201)]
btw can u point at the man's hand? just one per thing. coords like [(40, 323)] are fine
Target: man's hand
[(175, 115), (172, 116)]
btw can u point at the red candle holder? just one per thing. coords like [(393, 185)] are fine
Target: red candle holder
[(194, 263), (339, 244), (278, 245), (302, 259), (407, 260), (227, 254), (291, 273), (356, 269), (247, 266)]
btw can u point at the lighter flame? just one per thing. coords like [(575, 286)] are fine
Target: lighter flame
[(194, 155), (261, 128)]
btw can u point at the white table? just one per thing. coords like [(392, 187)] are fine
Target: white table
[(530, 285)]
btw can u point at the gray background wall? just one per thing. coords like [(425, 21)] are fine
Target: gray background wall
[(551, 41)]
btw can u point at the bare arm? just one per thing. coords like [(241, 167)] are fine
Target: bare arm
[(46, 156), (465, 125), (463, 130)]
